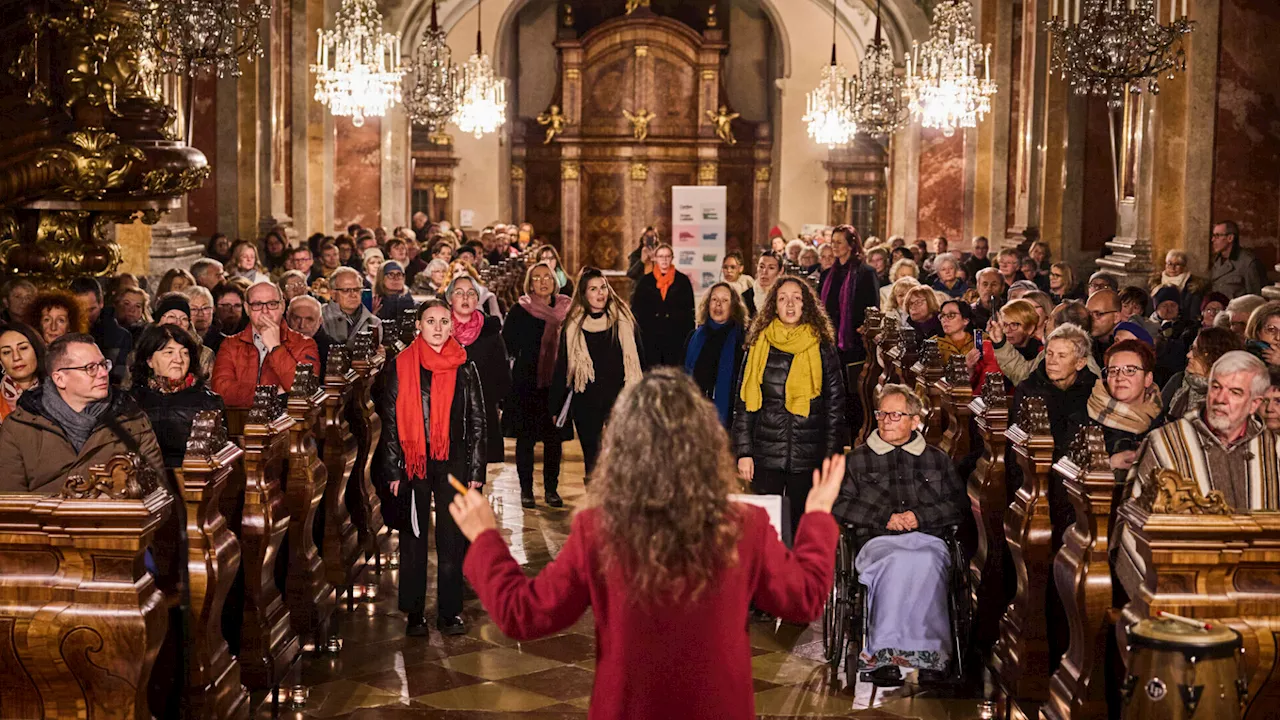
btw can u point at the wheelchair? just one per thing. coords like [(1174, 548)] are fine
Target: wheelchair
[(845, 617)]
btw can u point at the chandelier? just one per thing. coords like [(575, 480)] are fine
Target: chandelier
[(190, 36), (829, 108), (943, 85), (879, 107), (482, 103), (364, 77), (434, 96), (1104, 47)]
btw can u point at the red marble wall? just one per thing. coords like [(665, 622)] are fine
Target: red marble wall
[(941, 189), (202, 203), (357, 174), (1246, 172), (1099, 215)]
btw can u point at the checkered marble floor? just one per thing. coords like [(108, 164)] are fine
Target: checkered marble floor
[(484, 675)]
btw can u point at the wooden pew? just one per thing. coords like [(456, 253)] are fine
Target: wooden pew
[(928, 371), (988, 499), (1186, 553), (905, 355), (870, 371), (81, 619), (956, 393), (308, 595), (268, 645), (213, 688), (1020, 661), (1082, 574), (367, 427), (340, 548)]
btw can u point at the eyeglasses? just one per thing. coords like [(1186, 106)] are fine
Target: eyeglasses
[(949, 315), (230, 306), (1099, 314), (348, 291), (892, 415), (394, 275), (265, 305), (92, 368), (201, 311), (469, 294), (1121, 370), (1010, 325)]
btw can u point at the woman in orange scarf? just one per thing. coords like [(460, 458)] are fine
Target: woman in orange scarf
[(433, 421), (663, 305)]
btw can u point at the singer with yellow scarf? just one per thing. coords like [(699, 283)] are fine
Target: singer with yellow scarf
[(789, 413)]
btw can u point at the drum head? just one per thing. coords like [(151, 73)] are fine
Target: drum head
[(1162, 634)]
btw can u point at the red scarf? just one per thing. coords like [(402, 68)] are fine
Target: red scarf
[(466, 333), (664, 281), (443, 367)]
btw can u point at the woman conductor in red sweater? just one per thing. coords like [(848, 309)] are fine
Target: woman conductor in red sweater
[(667, 562)]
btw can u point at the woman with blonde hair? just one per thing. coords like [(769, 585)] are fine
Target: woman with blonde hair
[(790, 411), (713, 351), (244, 263), (900, 269), (600, 354), (671, 558), (175, 280), (1062, 283), (921, 304), (1017, 325), (894, 301)]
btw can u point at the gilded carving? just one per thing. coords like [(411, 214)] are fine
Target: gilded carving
[(632, 5), (1165, 491), (89, 35), (554, 121), (572, 74), (840, 195), (639, 171), (94, 160), (763, 174), (707, 172), (712, 21), (639, 122), (722, 120), (568, 16), (642, 51), (27, 67), (517, 173), (162, 181), (440, 191), (568, 170), (440, 138)]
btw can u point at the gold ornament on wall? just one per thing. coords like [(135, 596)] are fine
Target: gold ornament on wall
[(166, 182), (707, 172), (840, 195), (94, 161), (517, 173), (722, 120), (554, 121), (639, 123), (569, 170), (763, 174), (568, 16), (440, 190), (712, 21), (639, 171)]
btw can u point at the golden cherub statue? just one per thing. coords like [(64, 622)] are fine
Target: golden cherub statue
[(554, 121), (721, 120), (633, 4), (639, 123)]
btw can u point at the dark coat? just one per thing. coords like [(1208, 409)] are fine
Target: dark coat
[(115, 343), (467, 436), (527, 411), (393, 306), (778, 440), (489, 354), (591, 407), (171, 415), (865, 291), (1239, 273), (664, 323), (707, 365), (882, 480)]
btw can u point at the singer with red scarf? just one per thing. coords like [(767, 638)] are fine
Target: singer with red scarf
[(662, 303), (433, 415), (481, 336)]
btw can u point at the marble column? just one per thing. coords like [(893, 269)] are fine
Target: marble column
[(1034, 75), (991, 152), (904, 182), (275, 141)]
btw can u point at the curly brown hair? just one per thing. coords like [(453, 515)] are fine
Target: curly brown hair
[(666, 518), (812, 314), (77, 321), (737, 311)]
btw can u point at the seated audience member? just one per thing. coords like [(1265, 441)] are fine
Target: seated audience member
[(899, 270), (133, 310), (1135, 306), (1168, 316), (991, 289), (390, 297), (977, 258), (691, 569), (175, 309), (330, 260), (244, 263), (218, 248), (1268, 413), (71, 421), (1126, 402), (113, 340), (373, 260), (294, 283), (1130, 330), (1237, 313), (169, 387), (266, 352), (1187, 390), (1262, 334), (904, 495), (810, 263), (956, 338), (208, 273), (229, 317), (1016, 330), (1017, 368), (22, 360), (1221, 445), (56, 313), (731, 272), (896, 304), (1191, 288), (434, 280), (302, 259), (948, 271), (922, 312), (1009, 264), (1102, 280), (306, 318), (1044, 308), (175, 280), (1211, 307), (1062, 283), (347, 315), (1104, 309), (1031, 272), (1039, 251), (201, 302), (18, 296), (713, 351), (1020, 289)]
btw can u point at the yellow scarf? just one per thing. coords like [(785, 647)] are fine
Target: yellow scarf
[(804, 379)]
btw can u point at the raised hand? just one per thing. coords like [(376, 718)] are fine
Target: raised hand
[(826, 485), (473, 514)]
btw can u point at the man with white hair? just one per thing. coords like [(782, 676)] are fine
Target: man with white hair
[(1221, 445), (346, 315)]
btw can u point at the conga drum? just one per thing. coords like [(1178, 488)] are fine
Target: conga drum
[(1178, 671)]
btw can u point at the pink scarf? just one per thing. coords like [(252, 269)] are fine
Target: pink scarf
[(553, 316), (467, 332)]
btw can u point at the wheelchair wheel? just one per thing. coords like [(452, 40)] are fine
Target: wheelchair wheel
[(835, 616)]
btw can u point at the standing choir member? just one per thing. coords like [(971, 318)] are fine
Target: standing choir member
[(848, 288), (713, 352), (662, 303), (532, 337), (432, 407), (790, 412), (768, 268), (481, 336), (599, 355)]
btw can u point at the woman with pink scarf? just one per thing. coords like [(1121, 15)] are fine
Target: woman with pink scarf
[(532, 336), (481, 336)]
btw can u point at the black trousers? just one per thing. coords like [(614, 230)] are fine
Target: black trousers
[(589, 434), (451, 546), (794, 487), (853, 400), (550, 463)]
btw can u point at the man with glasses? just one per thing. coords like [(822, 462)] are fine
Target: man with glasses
[(71, 421), (265, 352), (902, 495), (347, 315), (305, 317), (1104, 310), (201, 301), (1233, 270)]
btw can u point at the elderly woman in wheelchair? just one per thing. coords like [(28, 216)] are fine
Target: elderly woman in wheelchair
[(900, 502)]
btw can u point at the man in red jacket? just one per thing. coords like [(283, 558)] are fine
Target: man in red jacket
[(266, 352)]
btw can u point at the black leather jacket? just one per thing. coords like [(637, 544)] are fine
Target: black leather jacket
[(778, 440), (171, 415)]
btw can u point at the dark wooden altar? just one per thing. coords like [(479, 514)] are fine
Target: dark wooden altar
[(593, 188)]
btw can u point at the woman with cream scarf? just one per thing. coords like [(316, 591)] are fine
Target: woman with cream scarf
[(599, 355), (1191, 288), (768, 268), (1126, 402)]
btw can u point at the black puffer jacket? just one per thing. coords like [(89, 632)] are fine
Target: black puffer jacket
[(171, 415), (468, 439), (778, 440)]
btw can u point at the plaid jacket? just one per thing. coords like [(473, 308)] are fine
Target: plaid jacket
[(881, 479)]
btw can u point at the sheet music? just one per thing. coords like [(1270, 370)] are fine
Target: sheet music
[(772, 505)]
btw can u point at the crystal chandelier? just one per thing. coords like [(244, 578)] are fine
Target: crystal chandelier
[(190, 36), (830, 106), (482, 103), (943, 85), (1106, 46), (434, 96), (877, 93), (364, 77)]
